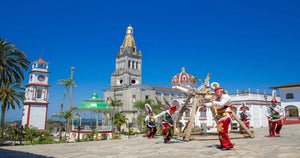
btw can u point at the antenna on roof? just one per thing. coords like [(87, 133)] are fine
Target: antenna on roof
[(42, 52)]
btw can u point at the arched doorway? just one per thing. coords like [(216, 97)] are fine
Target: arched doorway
[(291, 111), (291, 115)]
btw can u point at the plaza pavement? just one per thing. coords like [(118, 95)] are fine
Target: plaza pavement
[(288, 145)]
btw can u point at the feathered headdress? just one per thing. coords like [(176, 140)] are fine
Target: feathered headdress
[(274, 96), (148, 108)]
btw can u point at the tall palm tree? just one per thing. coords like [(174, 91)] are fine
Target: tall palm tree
[(12, 62), (66, 83), (11, 94)]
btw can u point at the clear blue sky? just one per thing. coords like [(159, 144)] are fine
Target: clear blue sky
[(243, 44)]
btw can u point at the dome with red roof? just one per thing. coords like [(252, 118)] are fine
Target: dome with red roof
[(183, 78)]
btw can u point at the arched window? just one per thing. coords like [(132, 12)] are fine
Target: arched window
[(291, 111), (202, 111), (184, 78), (289, 96), (187, 113), (129, 62), (137, 65)]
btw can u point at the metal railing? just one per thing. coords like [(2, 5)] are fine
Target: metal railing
[(89, 128)]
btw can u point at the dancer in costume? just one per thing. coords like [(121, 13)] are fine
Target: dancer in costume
[(151, 122), (168, 118), (245, 115), (223, 109), (275, 116)]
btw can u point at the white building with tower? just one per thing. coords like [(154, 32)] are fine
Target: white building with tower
[(35, 108)]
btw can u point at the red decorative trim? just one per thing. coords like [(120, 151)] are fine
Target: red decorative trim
[(46, 117), (209, 126), (37, 84), (40, 71), (35, 103), (28, 115), (75, 131), (202, 118), (290, 122)]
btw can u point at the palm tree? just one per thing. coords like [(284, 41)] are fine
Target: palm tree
[(67, 114), (66, 83), (12, 62), (11, 94), (115, 102), (119, 120)]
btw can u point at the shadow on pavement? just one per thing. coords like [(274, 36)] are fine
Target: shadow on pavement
[(4, 153)]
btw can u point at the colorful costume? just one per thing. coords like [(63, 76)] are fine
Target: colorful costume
[(223, 110), (245, 116), (275, 116), (151, 125), (167, 122), (150, 122)]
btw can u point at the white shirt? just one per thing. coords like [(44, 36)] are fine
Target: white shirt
[(225, 100)]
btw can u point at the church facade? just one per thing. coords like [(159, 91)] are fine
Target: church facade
[(126, 81)]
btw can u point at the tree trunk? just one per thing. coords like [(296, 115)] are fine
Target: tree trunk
[(3, 117)]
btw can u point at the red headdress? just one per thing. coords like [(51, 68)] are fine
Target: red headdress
[(216, 86), (244, 106)]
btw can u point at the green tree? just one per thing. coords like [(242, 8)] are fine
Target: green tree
[(12, 63), (66, 83), (11, 94), (67, 114), (17, 135), (30, 133), (114, 102), (119, 120)]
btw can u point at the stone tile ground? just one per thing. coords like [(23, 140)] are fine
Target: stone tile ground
[(288, 145)]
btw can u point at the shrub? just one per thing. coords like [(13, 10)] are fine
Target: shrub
[(116, 137)]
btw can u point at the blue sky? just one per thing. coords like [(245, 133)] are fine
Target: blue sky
[(243, 44)]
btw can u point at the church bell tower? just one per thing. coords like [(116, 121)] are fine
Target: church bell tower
[(128, 63)]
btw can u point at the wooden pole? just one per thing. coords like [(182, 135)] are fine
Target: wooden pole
[(243, 125), (180, 113), (193, 112)]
